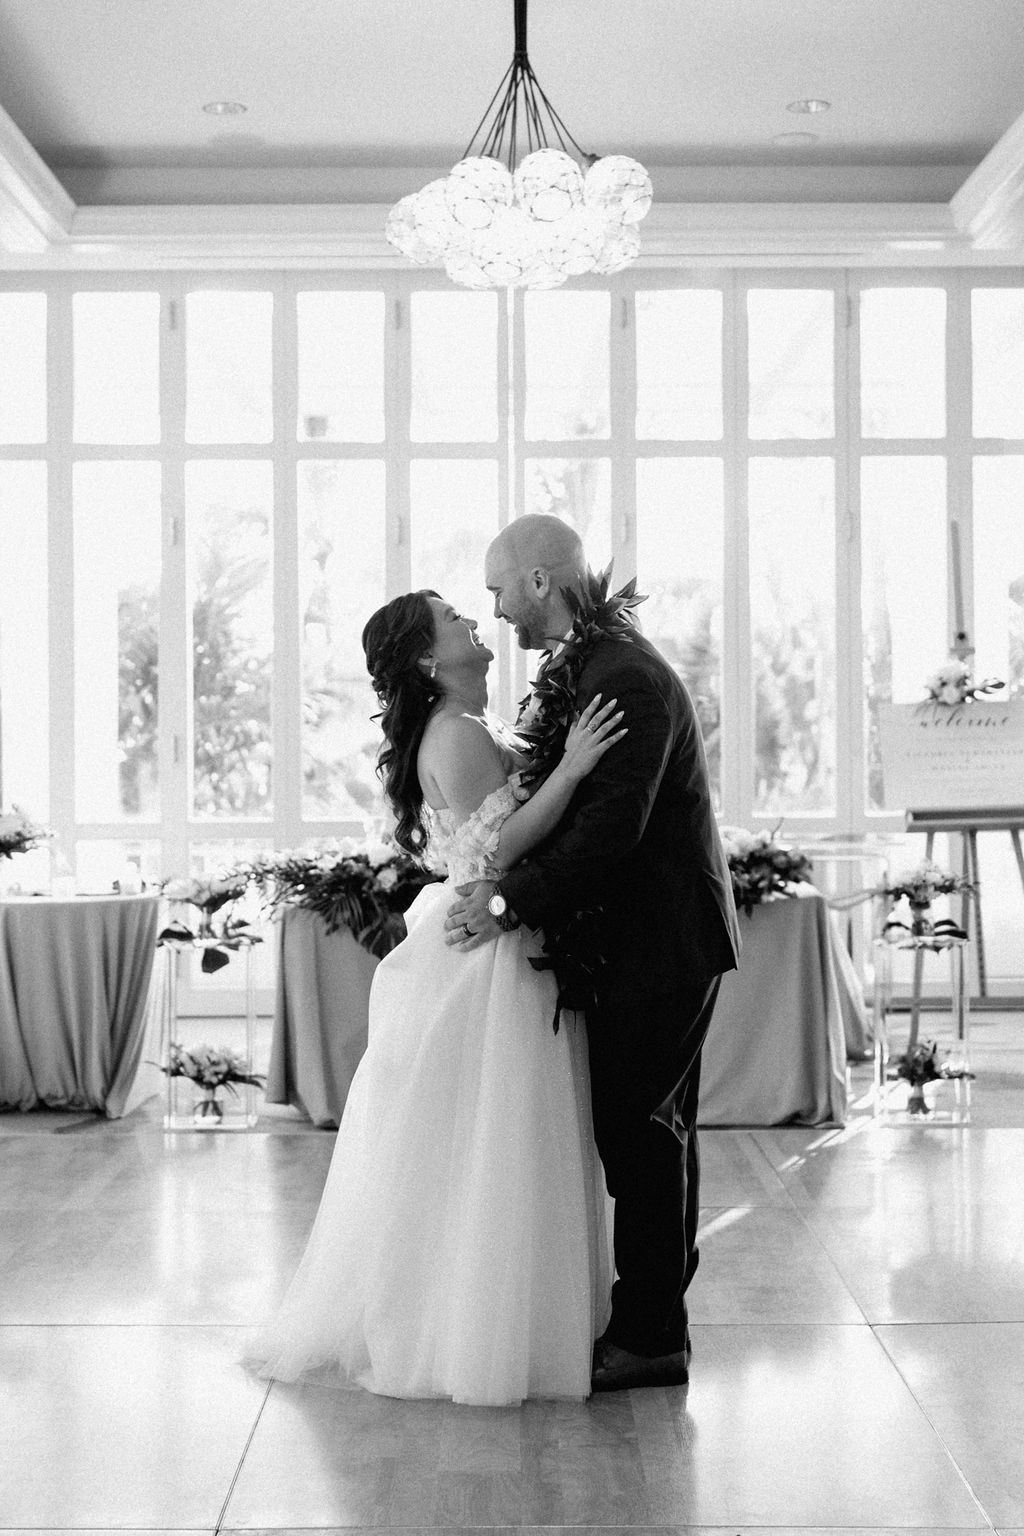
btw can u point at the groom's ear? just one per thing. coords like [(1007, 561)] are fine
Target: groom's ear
[(540, 580)]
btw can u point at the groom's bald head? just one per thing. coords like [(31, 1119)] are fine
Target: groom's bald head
[(527, 566), (538, 541)]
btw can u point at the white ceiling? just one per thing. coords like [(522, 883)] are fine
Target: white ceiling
[(109, 92)]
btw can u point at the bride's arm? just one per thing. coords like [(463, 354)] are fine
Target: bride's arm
[(465, 763), (588, 740)]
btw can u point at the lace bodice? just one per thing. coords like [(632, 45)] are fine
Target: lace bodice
[(467, 852)]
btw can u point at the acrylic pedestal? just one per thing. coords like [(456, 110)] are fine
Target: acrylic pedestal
[(183, 1104), (946, 1099)]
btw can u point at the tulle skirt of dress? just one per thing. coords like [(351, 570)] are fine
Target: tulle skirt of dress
[(460, 1249)]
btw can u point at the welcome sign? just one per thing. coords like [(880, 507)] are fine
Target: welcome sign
[(941, 757)]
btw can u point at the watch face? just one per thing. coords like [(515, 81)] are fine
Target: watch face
[(497, 906)]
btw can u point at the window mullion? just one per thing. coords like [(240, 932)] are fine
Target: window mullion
[(397, 415), (849, 645), (287, 675), (175, 735), (61, 572), (737, 696), (622, 444)]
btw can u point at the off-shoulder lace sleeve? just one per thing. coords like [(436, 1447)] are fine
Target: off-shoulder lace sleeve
[(473, 845)]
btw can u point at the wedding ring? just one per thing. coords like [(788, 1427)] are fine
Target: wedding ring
[(468, 931)]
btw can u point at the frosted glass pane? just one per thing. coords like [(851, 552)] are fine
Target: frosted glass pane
[(679, 363), (341, 582), (997, 319), (341, 367), (903, 588), (454, 368), (903, 362), (998, 632), (579, 491), (228, 367), (791, 342), (23, 372), (116, 367), (567, 364), (792, 615), (117, 627), (228, 508), (24, 639), (679, 553), (454, 518)]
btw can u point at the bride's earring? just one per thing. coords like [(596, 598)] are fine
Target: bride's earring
[(433, 670)]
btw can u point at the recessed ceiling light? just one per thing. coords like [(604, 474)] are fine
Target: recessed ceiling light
[(795, 140), (224, 108), (810, 105)]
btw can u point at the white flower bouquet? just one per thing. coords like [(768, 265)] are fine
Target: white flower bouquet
[(762, 865), (951, 684)]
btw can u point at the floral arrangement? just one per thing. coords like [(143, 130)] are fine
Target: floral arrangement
[(919, 1065), (18, 833), (951, 684), (919, 887), (211, 1068), (365, 887), (762, 865), (210, 896)]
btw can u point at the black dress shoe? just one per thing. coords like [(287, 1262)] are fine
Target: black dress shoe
[(617, 1370)]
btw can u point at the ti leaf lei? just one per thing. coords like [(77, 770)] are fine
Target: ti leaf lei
[(551, 704), (572, 949)]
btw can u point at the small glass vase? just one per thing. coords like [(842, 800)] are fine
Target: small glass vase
[(209, 1111), (920, 919)]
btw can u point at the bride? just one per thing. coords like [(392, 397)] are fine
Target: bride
[(459, 1250)]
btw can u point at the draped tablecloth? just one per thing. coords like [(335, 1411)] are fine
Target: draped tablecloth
[(320, 1014), (776, 1051), (74, 978)]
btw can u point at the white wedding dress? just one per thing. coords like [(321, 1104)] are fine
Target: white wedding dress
[(460, 1249)]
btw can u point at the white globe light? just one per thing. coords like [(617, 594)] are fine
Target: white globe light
[(434, 224), (400, 230), (464, 269), (476, 189), (622, 245), (506, 250), (574, 243), (618, 187), (549, 185)]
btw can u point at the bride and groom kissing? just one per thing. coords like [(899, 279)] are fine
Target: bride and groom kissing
[(460, 1249)]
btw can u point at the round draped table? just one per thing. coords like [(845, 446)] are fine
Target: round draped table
[(74, 979)]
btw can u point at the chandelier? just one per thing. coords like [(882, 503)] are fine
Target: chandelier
[(557, 214)]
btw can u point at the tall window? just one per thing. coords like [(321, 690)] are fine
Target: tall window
[(208, 483)]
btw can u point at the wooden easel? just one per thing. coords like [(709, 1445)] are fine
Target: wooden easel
[(967, 824)]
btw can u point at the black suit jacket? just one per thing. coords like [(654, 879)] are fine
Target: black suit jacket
[(639, 839)]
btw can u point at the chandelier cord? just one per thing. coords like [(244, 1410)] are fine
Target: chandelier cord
[(519, 81)]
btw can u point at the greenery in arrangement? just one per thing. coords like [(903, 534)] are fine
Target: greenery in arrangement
[(211, 1068), (952, 684), (210, 896), (18, 833), (920, 1065), (919, 887), (762, 865), (365, 887)]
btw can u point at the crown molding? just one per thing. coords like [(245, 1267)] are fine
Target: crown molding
[(989, 207), (35, 210), (352, 235)]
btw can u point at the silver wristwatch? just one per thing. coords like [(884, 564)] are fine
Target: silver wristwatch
[(499, 909)]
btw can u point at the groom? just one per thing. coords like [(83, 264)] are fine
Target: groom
[(639, 841)]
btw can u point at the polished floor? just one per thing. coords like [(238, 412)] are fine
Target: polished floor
[(858, 1325)]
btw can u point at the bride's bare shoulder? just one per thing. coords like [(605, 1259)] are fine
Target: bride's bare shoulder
[(456, 747)]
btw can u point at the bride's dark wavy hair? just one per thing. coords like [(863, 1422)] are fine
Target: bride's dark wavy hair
[(394, 640)]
